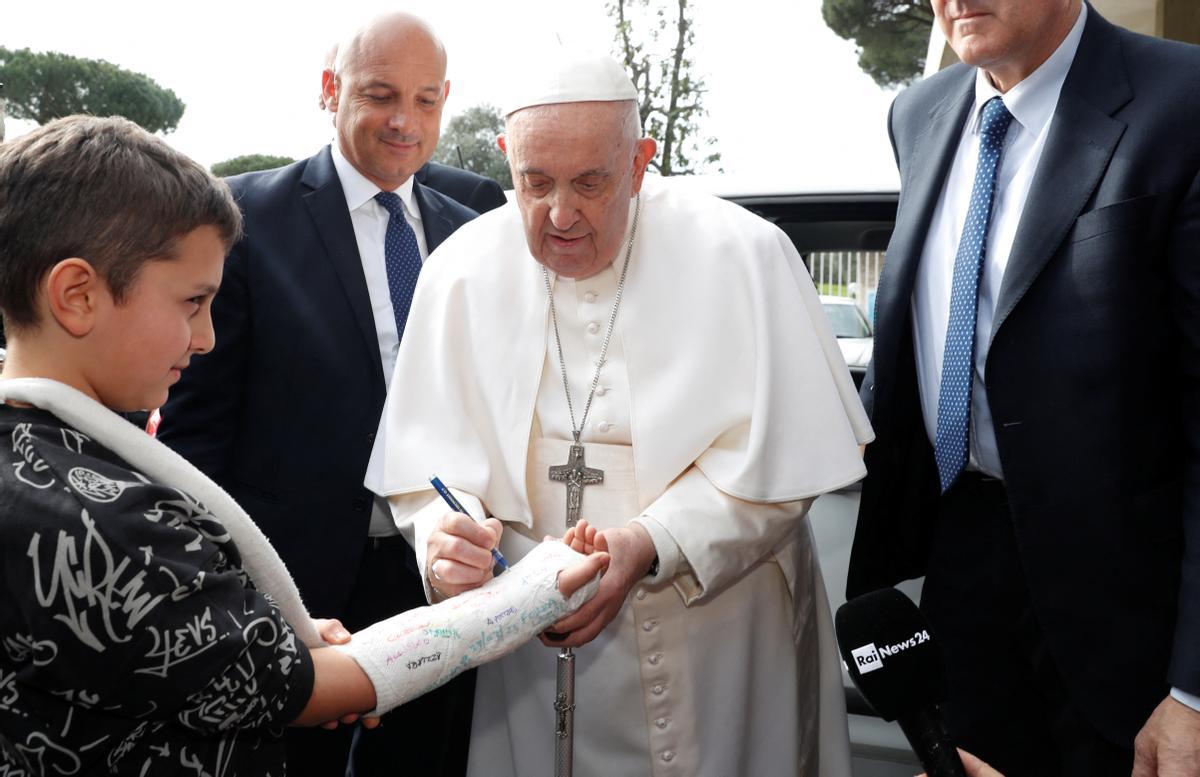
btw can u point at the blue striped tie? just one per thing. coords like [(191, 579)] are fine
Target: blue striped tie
[(401, 259), (958, 359)]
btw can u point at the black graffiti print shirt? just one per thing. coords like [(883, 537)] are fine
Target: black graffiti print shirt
[(131, 641)]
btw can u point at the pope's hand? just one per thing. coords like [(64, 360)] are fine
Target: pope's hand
[(459, 553), (631, 551)]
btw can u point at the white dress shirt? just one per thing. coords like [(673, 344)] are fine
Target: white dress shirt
[(1031, 103), (370, 221)]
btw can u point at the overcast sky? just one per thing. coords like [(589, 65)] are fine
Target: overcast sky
[(787, 103)]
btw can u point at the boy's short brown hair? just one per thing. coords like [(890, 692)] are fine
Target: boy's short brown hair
[(104, 190)]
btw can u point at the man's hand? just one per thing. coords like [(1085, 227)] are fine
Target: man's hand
[(632, 552), (334, 633), (1169, 744), (459, 553)]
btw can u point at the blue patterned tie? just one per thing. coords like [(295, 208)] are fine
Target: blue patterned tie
[(401, 258), (958, 360)]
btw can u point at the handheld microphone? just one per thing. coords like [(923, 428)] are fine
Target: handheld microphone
[(897, 666)]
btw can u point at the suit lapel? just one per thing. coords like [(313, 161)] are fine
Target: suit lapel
[(436, 224), (1083, 136), (326, 204), (930, 161)]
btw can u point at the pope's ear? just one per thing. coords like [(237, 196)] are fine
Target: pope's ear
[(502, 143), (75, 293), (645, 151)]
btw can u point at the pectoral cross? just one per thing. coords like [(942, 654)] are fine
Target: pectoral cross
[(576, 476)]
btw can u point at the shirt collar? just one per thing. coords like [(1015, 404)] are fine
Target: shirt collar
[(1032, 101), (359, 191)]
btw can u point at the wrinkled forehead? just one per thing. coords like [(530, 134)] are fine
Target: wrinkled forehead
[(585, 130)]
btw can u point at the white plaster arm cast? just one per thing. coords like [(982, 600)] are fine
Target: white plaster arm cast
[(416, 651)]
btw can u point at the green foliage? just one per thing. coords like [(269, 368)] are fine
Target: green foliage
[(249, 163), (43, 86), (654, 49), (892, 35), (469, 142)]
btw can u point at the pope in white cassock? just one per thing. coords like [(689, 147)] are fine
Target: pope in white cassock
[(657, 363)]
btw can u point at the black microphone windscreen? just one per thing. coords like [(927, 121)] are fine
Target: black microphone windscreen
[(890, 653)]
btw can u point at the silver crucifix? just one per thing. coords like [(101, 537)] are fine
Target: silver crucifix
[(576, 476)]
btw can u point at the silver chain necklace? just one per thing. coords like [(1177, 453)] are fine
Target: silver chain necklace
[(574, 473), (612, 320)]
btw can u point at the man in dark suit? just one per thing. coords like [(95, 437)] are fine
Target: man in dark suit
[(1035, 389), (311, 311)]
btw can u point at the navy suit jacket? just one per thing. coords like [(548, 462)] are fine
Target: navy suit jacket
[(477, 192), (1093, 372), (283, 412)]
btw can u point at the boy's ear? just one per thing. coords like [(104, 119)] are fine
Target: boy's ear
[(74, 295)]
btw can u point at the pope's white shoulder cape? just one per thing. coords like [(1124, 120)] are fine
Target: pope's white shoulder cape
[(732, 364)]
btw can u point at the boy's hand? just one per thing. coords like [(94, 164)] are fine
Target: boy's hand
[(632, 551), (573, 578), (582, 538)]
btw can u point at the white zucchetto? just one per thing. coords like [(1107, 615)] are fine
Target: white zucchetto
[(571, 78)]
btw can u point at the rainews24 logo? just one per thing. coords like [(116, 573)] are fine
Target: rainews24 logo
[(868, 658)]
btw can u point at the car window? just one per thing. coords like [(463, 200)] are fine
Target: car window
[(846, 320)]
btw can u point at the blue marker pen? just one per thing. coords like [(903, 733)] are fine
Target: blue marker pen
[(458, 508)]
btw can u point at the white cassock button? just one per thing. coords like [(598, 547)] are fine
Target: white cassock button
[(589, 296), (662, 722), (649, 624), (654, 659), (668, 756), (658, 690), (601, 390), (604, 426), (641, 593), (593, 327)]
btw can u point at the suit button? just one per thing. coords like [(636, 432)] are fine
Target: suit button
[(360, 504), (371, 437)]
